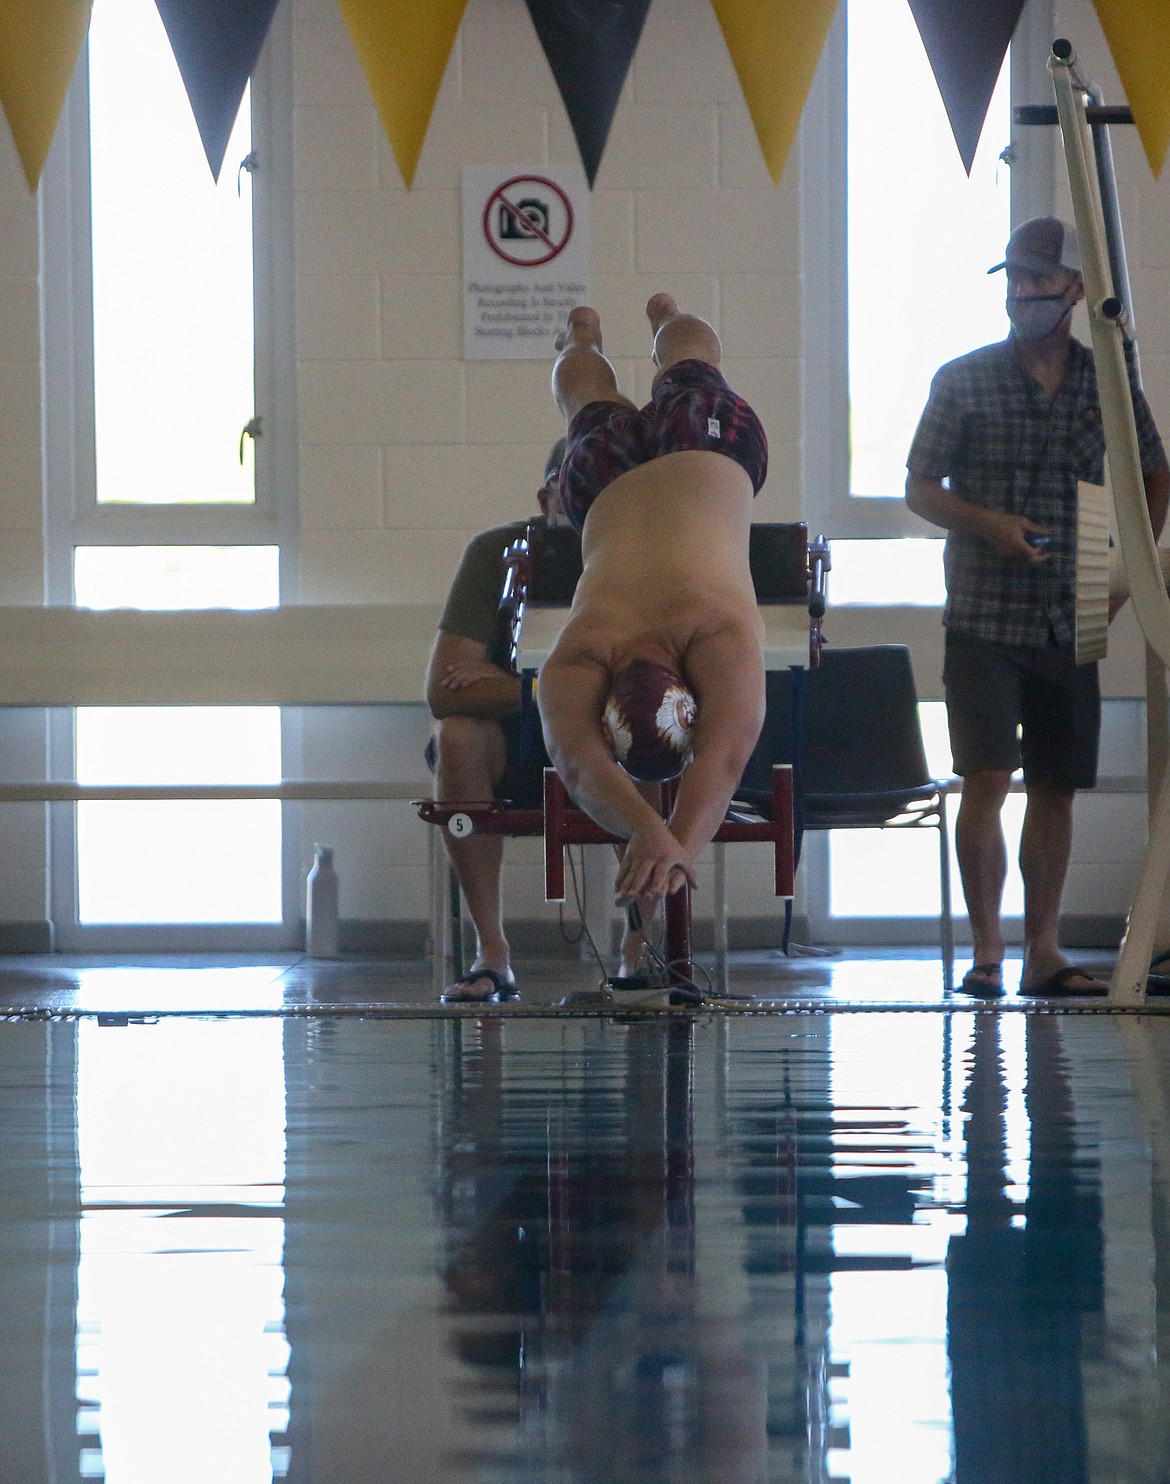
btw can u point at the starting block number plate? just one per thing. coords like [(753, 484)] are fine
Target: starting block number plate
[(461, 825)]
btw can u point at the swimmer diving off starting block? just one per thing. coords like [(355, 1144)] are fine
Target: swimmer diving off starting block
[(660, 663)]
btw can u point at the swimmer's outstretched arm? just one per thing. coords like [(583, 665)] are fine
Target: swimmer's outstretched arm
[(571, 693), (726, 673)]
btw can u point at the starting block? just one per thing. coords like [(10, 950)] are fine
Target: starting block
[(541, 574), (563, 824)]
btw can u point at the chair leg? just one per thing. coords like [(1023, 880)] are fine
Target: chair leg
[(946, 924), (678, 932), (456, 898), (719, 909), (598, 871), (440, 915)]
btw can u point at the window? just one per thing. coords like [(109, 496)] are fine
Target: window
[(897, 245), (173, 349), (921, 236), (160, 366), (162, 861)]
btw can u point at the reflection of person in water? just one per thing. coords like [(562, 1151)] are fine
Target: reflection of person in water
[(571, 1267), (1017, 1294)]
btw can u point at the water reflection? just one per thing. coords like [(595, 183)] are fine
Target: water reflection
[(873, 1247), (1024, 1278), (571, 1265)]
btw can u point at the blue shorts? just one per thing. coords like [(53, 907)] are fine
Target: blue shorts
[(522, 781)]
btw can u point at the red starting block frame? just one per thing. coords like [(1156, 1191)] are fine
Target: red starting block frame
[(563, 824)]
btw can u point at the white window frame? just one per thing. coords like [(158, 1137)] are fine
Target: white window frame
[(828, 505), (73, 516)]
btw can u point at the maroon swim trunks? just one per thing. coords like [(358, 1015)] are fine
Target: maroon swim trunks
[(690, 408)]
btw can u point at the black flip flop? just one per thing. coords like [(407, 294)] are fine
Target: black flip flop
[(1056, 986), (502, 989), (984, 981)]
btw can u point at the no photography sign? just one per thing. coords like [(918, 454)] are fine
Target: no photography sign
[(525, 256)]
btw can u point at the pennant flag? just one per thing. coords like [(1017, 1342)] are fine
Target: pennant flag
[(1138, 33), (966, 45), (775, 46), (589, 45), (403, 46), (40, 41), (216, 44)]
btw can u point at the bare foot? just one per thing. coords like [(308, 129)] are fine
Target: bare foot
[(659, 308), (679, 336), (582, 330), (1053, 975)]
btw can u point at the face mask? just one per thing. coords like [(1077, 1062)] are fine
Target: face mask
[(1037, 315)]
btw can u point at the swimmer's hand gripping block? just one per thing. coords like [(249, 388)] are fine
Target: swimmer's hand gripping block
[(566, 825)]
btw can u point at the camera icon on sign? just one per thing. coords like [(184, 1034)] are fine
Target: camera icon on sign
[(513, 220)]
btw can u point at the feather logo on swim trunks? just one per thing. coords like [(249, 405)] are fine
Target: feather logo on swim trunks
[(648, 721)]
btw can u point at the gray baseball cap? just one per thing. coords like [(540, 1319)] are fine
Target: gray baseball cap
[(1042, 244)]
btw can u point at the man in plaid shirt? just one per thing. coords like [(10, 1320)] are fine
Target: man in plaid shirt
[(1007, 432)]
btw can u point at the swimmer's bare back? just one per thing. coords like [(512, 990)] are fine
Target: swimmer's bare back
[(675, 528)]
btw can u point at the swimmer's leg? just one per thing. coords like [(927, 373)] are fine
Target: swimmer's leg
[(678, 336), (581, 373)]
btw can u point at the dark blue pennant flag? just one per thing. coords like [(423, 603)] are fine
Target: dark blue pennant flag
[(216, 44), (966, 44), (589, 45)]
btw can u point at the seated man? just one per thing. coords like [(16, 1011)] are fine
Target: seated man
[(661, 658), (483, 747)]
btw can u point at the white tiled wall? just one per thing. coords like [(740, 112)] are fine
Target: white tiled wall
[(682, 201)]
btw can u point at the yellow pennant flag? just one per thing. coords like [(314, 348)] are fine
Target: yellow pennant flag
[(403, 46), (1138, 33), (775, 46), (40, 41)]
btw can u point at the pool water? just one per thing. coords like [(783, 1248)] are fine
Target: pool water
[(873, 1246)]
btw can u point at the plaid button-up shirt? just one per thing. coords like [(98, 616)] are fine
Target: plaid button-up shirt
[(991, 430)]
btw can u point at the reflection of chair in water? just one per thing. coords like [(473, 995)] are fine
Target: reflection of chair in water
[(853, 732)]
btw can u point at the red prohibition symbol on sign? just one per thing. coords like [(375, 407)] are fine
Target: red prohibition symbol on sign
[(519, 221)]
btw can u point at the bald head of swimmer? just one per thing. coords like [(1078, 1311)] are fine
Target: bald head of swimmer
[(649, 719)]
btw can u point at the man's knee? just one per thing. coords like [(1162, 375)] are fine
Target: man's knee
[(985, 790), (469, 745), (1049, 798)]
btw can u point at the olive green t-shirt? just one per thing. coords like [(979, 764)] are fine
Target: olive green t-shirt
[(474, 599)]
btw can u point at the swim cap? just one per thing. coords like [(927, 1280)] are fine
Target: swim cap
[(648, 721)]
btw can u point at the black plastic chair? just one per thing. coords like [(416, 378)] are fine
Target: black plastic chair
[(850, 727)]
